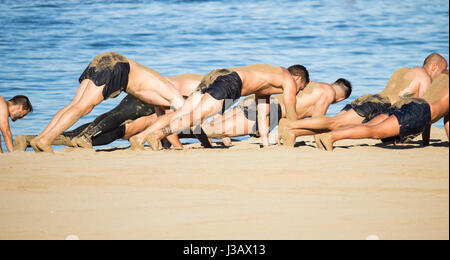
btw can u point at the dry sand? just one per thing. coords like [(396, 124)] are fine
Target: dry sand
[(237, 193)]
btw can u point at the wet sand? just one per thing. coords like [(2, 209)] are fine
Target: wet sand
[(237, 193)]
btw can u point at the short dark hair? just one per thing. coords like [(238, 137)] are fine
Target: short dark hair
[(434, 58), (22, 101), (346, 85), (300, 70)]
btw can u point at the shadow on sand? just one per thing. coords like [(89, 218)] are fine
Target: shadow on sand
[(407, 146), (222, 146), (216, 145)]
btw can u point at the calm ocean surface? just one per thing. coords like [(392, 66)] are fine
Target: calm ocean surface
[(45, 45)]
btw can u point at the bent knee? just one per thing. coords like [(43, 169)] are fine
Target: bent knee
[(83, 109), (335, 123)]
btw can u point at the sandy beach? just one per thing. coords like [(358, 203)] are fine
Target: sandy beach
[(242, 192)]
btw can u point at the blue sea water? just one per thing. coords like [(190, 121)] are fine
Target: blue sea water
[(45, 45)]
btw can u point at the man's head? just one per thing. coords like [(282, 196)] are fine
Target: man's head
[(300, 75), (343, 89), (19, 107), (434, 65)]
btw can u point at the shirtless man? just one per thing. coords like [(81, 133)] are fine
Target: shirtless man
[(129, 118), (106, 77), (312, 101), (16, 108), (405, 120), (220, 89), (404, 82)]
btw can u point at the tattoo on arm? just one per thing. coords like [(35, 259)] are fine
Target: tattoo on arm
[(167, 131)]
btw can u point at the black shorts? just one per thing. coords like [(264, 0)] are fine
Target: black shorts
[(129, 109), (109, 69), (251, 113), (413, 115), (222, 84), (369, 106)]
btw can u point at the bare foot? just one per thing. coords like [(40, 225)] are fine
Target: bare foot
[(82, 142), (41, 146), (20, 143), (325, 140), (227, 141), (34, 145), (284, 133), (136, 144), (153, 141), (319, 143)]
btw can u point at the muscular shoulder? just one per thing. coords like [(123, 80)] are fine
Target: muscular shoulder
[(422, 77), (322, 89), (403, 70), (3, 108), (182, 77), (3, 103), (264, 68), (327, 93), (420, 73)]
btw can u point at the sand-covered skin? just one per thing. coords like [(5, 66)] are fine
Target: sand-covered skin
[(237, 193)]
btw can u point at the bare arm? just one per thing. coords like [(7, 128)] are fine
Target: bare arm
[(446, 119), (290, 96), (1, 150), (414, 89), (176, 99), (424, 86), (200, 135), (263, 106), (6, 131)]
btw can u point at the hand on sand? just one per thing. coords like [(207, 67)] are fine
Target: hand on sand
[(40, 146), (154, 142), (136, 144), (284, 134), (82, 142), (324, 142), (227, 142)]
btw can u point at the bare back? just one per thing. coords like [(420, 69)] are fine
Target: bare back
[(151, 87), (307, 99), (407, 82), (261, 79), (186, 83)]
